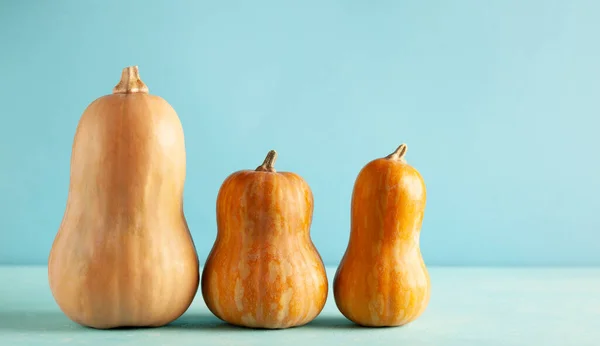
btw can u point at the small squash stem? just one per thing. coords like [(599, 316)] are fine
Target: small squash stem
[(130, 82), (398, 155), (268, 164)]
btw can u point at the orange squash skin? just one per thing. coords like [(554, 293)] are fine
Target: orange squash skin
[(382, 279), (263, 270), (123, 255)]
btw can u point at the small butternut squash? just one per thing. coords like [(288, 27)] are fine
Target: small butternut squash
[(263, 270), (382, 279), (123, 255)]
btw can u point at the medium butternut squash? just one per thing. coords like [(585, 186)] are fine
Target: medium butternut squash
[(263, 270), (123, 255), (382, 279)]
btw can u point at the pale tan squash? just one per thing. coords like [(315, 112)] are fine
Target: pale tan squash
[(123, 255)]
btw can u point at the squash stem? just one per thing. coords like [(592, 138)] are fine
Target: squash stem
[(399, 153), (130, 82), (268, 164)]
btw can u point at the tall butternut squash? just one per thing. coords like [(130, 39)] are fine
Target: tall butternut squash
[(382, 279), (263, 270), (123, 255)]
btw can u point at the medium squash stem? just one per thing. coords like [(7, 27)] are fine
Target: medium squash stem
[(130, 82), (268, 164), (399, 153)]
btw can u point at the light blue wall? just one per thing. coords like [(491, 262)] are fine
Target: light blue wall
[(499, 102)]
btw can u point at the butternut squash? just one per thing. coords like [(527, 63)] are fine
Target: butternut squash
[(123, 255), (382, 279), (263, 270)]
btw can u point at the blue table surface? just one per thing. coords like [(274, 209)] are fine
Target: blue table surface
[(469, 306)]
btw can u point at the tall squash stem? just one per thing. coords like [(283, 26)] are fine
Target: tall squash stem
[(268, 164), (130, 82), (398, 155)]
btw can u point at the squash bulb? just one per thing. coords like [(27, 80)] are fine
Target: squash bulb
[(382, 279), (123, 255)]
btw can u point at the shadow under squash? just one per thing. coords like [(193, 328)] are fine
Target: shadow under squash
[(210, 322), (56, 321), (332, 322), (198, 321), (41, 321)]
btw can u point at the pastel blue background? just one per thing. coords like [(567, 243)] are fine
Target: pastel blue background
[(498, 101)]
